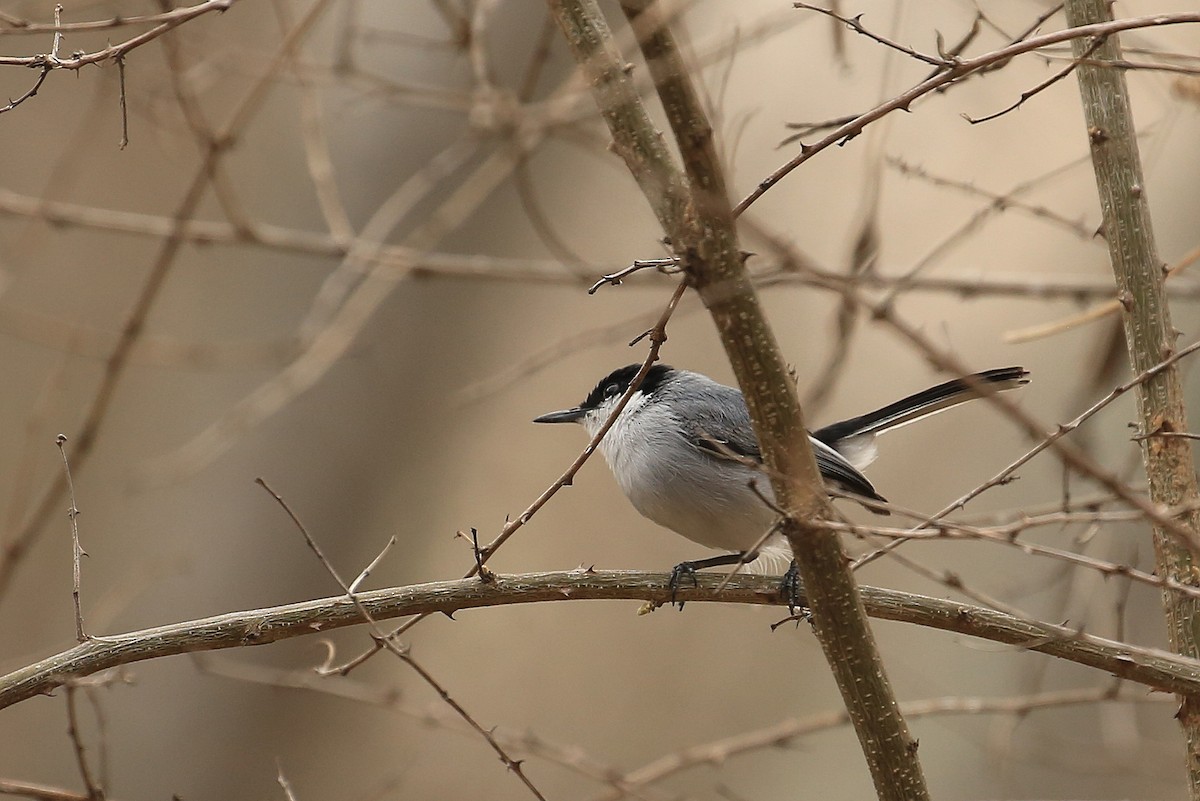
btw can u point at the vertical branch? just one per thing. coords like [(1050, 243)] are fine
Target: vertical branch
[(1149, 335), (77, 552), (705, 241)]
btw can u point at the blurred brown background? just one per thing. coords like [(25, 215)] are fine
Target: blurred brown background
[(404, 398)]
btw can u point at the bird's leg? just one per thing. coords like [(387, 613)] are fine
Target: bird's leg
[(689, 569), (789, 589), (789, 586)]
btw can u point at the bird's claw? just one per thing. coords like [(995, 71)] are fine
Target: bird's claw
[(678, 573), (789, 590)]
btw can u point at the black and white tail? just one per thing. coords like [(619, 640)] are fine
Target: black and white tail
[(854, 438)]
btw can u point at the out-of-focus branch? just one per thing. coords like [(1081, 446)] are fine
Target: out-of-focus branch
[(17, 544), (1139, 274), (696, 214), (1158, 670), (642, 147)]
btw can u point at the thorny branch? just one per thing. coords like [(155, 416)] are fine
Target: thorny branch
[(1160, 670), (52, 61), (953, 71)]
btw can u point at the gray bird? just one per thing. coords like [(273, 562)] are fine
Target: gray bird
[(684, 453)]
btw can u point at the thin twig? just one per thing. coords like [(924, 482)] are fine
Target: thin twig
[(1009, 534), (665, 266), (366, 571), (94, 791), (283, 782), (77, 552), (77, 61), (855, 24), (58, 26), (1041, 87), (1004, 201), (32, 92), (124, 143), (45, 70)]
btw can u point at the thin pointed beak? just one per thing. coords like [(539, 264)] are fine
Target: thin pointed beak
[(565, 416)]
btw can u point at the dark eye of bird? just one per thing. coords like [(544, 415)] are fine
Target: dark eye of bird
[(612, 390)]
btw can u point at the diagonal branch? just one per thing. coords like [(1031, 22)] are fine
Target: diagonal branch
[(943, 77)]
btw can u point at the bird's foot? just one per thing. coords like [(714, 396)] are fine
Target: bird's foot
[(789, 590), (678, 574)]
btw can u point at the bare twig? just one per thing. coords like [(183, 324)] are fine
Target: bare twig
[(1005, 201), (665, 266), (366, 571), (1009, 534), (56, 43), (76, 61), (77, 552), (40, 792), (31, 92), (124, 143), (855, 24), (283, 782), (1041, 87), (94, 791)]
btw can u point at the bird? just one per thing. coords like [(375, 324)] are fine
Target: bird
[(684, 453)]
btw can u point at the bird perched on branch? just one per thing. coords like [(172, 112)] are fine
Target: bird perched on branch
[(684, 452)]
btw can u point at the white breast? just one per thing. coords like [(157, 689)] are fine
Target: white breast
[(701, 497)]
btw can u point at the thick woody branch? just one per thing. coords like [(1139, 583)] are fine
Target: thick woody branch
[(1155, 669), (1149, 335)]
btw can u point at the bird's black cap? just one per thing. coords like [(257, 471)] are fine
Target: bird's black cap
[(616, 382)]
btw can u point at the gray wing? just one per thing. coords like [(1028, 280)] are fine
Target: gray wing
[(718, 408)]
